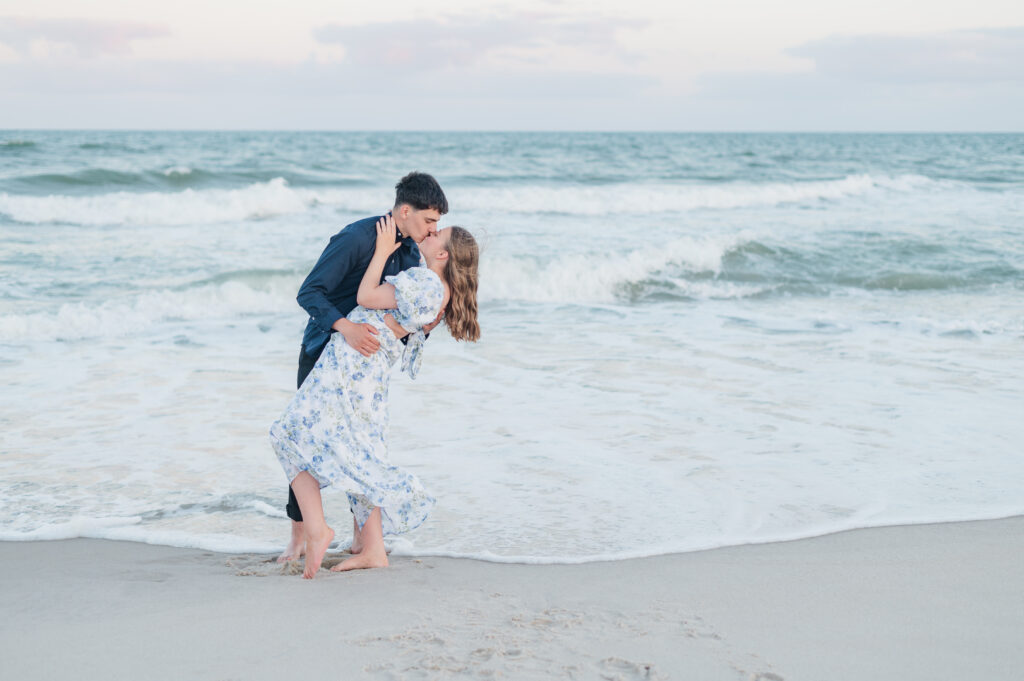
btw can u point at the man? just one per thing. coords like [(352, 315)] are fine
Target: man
[(329, 292)]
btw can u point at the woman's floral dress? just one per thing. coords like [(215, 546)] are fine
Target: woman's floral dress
[(335, 427)]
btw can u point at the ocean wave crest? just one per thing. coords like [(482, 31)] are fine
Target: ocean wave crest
[(649, 199), (232, 295), (233, 298), (277, 196), (611, 278), (14, 144), (188, 207)]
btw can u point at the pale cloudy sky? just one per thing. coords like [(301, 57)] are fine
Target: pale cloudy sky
[(528, 65)]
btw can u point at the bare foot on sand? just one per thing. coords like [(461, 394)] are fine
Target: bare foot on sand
[(369, 557), (296, 549), (316, 547), (357, 539)]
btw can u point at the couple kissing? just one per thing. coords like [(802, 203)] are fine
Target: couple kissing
[(380, 286)]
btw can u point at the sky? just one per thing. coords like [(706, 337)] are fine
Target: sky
[(730, 65)]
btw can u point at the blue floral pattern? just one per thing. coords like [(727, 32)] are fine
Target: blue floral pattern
[(335, 427)]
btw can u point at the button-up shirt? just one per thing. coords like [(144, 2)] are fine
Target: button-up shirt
[(329, 292)]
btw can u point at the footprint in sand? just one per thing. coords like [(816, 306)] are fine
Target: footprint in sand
[(616, 668)]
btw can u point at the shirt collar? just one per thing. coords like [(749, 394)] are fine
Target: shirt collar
[(398, 233)]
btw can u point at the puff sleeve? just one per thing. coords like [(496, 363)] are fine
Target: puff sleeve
[(418, 295)]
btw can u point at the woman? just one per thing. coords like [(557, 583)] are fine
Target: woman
[(333, 431)]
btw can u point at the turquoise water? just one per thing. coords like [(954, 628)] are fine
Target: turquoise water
[(726, 337)]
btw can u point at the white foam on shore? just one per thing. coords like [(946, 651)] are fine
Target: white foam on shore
[(541, 448), (73, 528), (131, 529), (402, 547)]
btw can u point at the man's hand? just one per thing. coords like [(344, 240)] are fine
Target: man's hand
[(362, 337)]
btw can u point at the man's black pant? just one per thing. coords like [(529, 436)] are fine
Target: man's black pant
[(306, 364)]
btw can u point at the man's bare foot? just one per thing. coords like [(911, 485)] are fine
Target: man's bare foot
[(370, 557), (296, 549), (357, 539), (316, 548)]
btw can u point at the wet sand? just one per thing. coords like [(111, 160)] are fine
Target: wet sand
[(926, 602)]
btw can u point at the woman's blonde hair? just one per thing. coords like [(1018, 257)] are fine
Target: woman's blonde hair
[(461, 274)]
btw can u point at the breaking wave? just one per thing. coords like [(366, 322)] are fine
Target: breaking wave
[(278, 196)]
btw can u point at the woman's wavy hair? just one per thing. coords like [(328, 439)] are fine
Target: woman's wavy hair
[(461, 274)]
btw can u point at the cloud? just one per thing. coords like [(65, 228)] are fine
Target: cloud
[(526, 39), (542, 58), (979, 56), (87, 38), (959, 80), (313, 79), (525, 71)]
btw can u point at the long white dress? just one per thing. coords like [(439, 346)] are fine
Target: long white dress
[(335, 427)]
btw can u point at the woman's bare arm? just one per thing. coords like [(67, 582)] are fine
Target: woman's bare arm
[(372, 294), (396, 328)]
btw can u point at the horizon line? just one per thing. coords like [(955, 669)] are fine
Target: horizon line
[(543, 131)]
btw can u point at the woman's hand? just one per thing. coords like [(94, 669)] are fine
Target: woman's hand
[(387, 236), (372, 293), (396, 328)]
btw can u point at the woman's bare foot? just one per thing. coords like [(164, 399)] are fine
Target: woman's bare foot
[(316, 548), (369, 557), (296, 547), (371, 551)]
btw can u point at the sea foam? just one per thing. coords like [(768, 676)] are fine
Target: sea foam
[(134, 313), (602, 277), (187, 207), (655, 198)]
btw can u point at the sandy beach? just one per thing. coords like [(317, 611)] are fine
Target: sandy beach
[(942, 601)]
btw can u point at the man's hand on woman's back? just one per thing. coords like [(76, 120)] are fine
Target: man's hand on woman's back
[(362, 337)]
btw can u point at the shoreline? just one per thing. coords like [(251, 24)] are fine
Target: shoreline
[(339, 547), (587, 560), (930, 601)]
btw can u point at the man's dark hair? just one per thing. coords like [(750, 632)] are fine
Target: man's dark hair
[(421, 191)]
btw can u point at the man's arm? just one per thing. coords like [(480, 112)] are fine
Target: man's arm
[(343, 254)]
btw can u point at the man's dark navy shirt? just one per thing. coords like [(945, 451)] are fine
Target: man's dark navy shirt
[(329, 292)]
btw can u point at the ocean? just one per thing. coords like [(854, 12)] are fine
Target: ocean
[(688, 340)]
